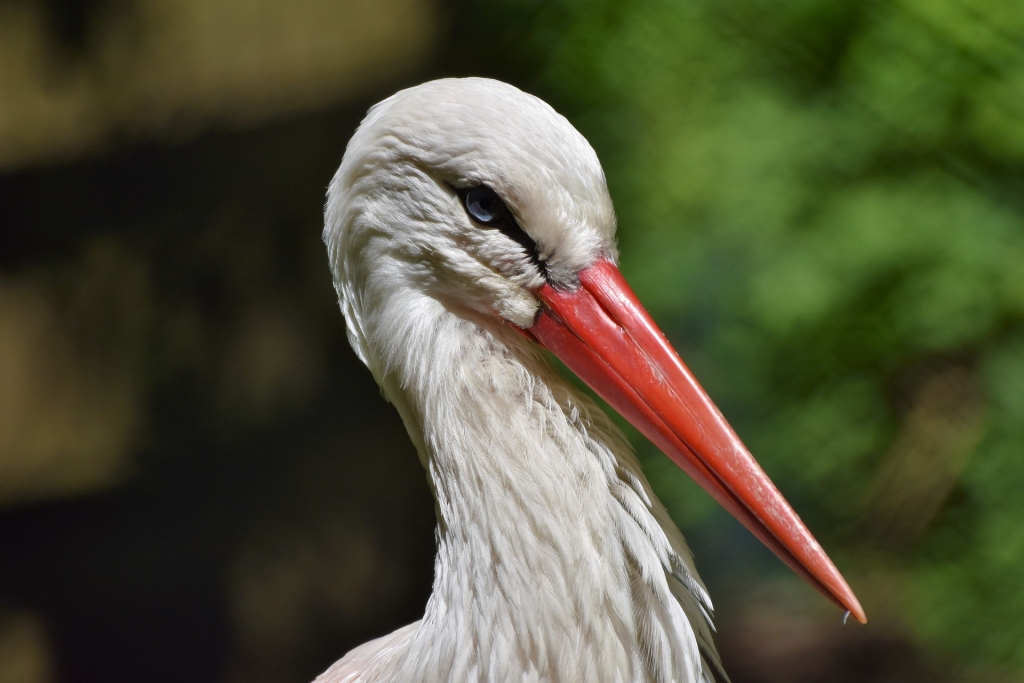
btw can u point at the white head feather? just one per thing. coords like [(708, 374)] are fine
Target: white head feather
[(555, 560)]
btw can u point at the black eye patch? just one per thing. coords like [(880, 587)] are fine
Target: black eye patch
[(485, 207)]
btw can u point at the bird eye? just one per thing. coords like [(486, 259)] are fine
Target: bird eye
[(484, 205)]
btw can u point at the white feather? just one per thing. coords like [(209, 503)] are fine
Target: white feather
[(555, 560)]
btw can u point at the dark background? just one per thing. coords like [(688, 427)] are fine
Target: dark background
[(822, 204)]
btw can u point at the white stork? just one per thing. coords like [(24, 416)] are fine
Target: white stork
[(469, 227)]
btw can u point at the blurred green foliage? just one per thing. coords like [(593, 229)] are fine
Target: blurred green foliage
[(823, 200)]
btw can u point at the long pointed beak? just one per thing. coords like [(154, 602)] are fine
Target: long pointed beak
[(603, 334)]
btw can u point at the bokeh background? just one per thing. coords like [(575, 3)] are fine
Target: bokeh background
[(822, 201)]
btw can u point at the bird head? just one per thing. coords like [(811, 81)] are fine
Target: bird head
[(473, 191), (481, 198)]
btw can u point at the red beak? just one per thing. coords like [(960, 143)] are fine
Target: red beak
[(603, 334)]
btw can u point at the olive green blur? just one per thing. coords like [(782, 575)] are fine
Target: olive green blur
[(824, 202)]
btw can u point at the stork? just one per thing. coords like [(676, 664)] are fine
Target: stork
[(468, 228)]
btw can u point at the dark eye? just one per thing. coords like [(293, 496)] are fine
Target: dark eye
[(484, 205)]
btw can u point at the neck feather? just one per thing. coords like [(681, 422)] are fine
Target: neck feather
[(555, 560)]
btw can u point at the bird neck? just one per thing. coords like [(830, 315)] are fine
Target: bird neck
[(554, 557)]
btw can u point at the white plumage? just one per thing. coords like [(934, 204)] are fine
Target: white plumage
[(555, 560)]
